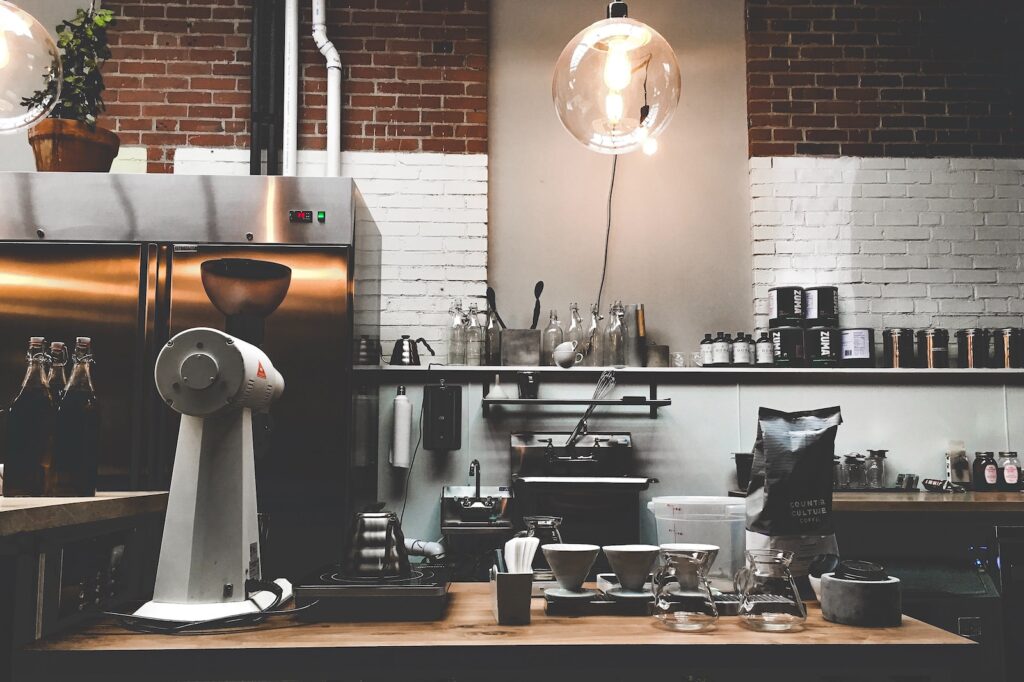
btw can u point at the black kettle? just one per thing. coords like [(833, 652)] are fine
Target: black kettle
[(377, 547), (406, 351)]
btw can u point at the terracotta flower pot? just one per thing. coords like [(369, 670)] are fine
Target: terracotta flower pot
[(63, 145)]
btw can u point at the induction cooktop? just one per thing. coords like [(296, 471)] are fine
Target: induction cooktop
[(329, 594)]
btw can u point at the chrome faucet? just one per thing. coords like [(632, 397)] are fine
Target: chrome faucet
[(474, 470)]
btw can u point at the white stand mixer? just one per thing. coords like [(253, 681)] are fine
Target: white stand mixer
[(210, 547)]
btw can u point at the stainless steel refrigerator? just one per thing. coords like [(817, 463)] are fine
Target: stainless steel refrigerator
[(117, 258)]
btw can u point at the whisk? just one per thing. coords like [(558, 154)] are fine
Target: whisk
[(605, 385)]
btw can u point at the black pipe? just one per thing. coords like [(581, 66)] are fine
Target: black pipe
[(256, 47)]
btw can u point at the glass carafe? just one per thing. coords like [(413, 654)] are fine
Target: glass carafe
[(457, 334), (545, 529), (474, 338), (576, 332), (552, 336), (614, 338), (769, 599), (593, 351), (682, 595)]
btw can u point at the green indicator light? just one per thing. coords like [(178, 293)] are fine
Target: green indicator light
[(321, 216)]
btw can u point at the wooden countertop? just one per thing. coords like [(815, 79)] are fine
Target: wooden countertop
[(468, 633), (29, 514), (928, 502)]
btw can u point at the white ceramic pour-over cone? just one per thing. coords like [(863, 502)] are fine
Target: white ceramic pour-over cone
[(570, 563), (631, 564)]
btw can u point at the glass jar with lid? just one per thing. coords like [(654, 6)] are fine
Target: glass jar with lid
[(874, 469)]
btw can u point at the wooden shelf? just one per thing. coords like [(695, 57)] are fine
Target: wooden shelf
[(922, 502)]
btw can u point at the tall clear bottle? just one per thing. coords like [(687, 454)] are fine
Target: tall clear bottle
[(614, 337), (593, 354), (551, 337), (474, 338), (76, 451), (30, 425), (457, 334), (56, 376), (492, 340), (576, 332)]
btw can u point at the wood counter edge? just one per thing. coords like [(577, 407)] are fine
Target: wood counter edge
[(928, 502), (29, 515)]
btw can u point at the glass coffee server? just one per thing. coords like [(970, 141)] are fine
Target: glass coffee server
[(769, 598)]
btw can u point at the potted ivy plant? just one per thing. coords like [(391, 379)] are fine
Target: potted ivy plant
[(70, 140)]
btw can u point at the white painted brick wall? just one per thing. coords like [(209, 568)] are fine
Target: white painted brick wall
[(431, 210), (909, 242)]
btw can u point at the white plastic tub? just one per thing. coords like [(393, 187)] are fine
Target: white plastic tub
[(719, 521)]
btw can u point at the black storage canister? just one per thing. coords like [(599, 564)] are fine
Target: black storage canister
[(789, 346), (898, 347), (785, 307), (972, 348), (1008, 348), (821, 306), (858, 347), (823, 346), (933, 348)]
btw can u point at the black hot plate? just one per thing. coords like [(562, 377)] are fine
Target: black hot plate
[(420, 596)]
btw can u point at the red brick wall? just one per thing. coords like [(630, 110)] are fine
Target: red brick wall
[(415, 75), (886, 77)]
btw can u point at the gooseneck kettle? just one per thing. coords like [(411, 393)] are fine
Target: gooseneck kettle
[(406, 351)]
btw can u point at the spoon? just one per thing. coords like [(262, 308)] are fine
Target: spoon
[(538, 289), (494, 307)]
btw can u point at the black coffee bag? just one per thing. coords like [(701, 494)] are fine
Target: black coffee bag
[(790, 491)]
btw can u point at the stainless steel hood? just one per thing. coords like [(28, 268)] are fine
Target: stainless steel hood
[(242, 209)]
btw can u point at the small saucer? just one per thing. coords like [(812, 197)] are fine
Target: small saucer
[(562, 593), (623, 594)]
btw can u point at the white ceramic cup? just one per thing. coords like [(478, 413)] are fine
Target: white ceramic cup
[(565, 355)]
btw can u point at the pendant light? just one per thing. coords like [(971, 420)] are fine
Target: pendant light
[(616, 84), (29, 62)]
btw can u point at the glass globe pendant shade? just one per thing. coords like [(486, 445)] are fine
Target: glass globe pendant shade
[(616, 85), (29, 62)]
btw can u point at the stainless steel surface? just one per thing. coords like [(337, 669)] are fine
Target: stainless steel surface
[(117, 258), (173, 208), (61, 291), (301, 465)]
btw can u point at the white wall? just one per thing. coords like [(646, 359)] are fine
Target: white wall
[(688, 448), (680, 240), (431, 210), (910, 242)]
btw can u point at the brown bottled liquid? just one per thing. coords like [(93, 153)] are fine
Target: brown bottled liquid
[(30, 424), (76, 449)]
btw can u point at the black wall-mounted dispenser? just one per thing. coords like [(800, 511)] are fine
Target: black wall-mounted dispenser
[(442, 417)]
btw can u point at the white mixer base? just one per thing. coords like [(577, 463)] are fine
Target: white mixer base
[(191, 613)]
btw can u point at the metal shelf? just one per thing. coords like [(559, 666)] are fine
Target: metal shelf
[(653, 402)]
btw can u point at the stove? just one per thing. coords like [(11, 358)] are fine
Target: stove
[(332, 595)]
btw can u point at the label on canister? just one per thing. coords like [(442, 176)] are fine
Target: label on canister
[(789, 345), (811, 304), (785, 306), (823, 346), (856, 344)]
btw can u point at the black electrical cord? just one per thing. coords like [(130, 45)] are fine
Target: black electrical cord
[(412, 463), (607, 234), (158, 626)]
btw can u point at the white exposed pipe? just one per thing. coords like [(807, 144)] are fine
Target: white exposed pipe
[(291, 86), (330, 54)]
